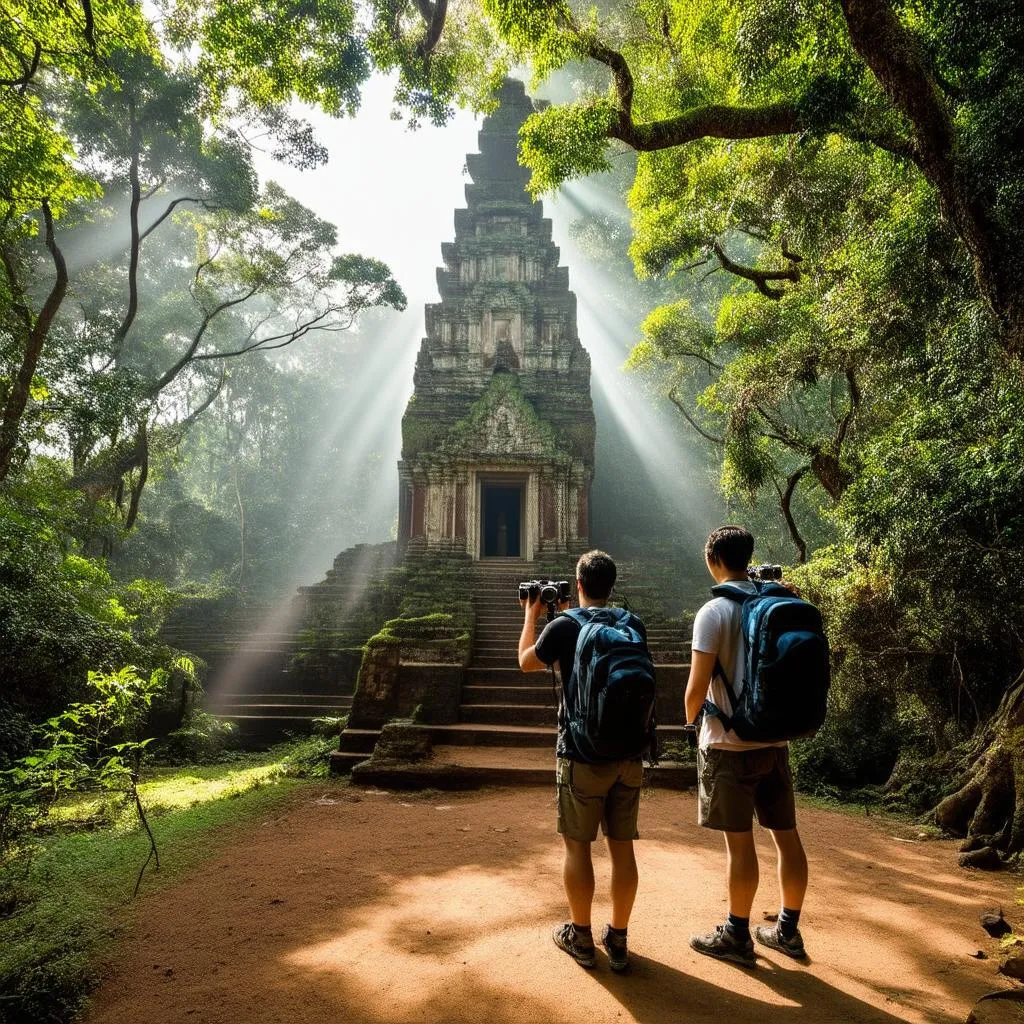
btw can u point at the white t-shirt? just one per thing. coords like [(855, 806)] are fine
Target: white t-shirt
[(718, 629)]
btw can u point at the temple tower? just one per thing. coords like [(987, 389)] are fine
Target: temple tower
[(498, 437)]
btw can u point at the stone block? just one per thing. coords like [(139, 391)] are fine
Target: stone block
[(402, 740)]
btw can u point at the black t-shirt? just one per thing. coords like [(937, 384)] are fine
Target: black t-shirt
[(557, 643)]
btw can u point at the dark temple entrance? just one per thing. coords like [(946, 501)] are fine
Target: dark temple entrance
[(502, 512)]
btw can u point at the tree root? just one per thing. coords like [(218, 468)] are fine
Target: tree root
[(988, 810)]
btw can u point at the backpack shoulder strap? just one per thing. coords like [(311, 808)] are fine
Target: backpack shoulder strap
[(740, 595), (734, 592)]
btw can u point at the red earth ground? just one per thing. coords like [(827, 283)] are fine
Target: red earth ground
[(361, 906)]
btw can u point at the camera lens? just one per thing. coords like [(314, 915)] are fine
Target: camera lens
[(549, 593)]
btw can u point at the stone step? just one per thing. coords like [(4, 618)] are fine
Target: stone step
[(239, 697), (458, 768), (259, 731), (267, 710), (508, 714), (504, 641), (343, 761), (501, 676), (484, 735), (358, 741), (508, 625), (506, 694)]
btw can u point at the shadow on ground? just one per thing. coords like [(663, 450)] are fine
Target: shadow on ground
[(385, 909)]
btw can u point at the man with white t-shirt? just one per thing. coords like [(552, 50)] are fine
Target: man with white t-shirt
[(738, 779)]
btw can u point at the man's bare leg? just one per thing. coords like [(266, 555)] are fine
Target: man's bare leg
[(624, 880), (792, 867), (578, 878), (741, 872), (732, 941)]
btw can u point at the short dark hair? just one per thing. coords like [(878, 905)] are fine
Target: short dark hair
[(596, 572), (730, 546)]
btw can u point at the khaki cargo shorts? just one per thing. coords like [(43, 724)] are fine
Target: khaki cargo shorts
[(735, 785), (598, 794)]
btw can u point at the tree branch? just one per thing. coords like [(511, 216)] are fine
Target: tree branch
[(433, 14), (29, 69), (785, 503), (197, 339), (892, 53), (182, 427), (844, 423), (135, 245), (716, 121), (277, 341), (674, 399), (139, 485), (171, 207), (760, 278), (783, 434)]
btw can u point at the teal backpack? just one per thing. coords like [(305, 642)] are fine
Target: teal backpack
[(614, 714), (786, 671)]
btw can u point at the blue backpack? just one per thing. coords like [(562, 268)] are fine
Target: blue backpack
[(786, 671), (613, 717)]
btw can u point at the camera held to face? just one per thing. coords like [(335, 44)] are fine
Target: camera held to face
[(764, 573), (550, 592)]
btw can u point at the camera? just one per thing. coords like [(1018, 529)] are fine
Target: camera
[(550, 592), (764, 573)]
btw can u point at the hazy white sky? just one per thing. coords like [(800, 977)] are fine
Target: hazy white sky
[(390, 191)]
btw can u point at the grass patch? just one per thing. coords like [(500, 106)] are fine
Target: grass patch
[(58, 912)]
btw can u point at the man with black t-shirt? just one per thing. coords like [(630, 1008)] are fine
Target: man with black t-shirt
[(589, 794)]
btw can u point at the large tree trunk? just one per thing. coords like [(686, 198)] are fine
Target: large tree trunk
[(892, 52), (37, 330), (988, 810)]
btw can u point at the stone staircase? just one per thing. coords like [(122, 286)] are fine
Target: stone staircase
[(506, 726), (255, 679)]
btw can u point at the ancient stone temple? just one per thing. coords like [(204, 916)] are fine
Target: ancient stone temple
[(498, 437)]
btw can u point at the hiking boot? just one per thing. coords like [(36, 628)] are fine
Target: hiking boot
[(567, 938), (722, 944), (770, 936), (615, 947)]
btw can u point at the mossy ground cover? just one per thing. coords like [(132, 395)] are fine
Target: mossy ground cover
[(61, 907)]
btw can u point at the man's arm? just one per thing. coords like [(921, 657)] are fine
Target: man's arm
[(528, 660), (702, 668)]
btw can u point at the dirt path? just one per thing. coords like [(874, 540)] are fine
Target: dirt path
[(389, 908)]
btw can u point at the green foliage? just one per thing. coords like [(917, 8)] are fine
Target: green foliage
[(91, 745), (43, 40), (464, 66), (202, 739), (59, 911), (561, 143), (61, 613), (274, 52)]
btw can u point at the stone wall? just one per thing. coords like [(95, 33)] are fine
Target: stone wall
[(413, 666)]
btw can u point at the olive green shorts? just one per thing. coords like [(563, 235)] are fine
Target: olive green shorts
[(598, 794), (735, 785)]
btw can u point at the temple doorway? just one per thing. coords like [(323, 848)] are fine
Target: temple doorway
[(501, 508)]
